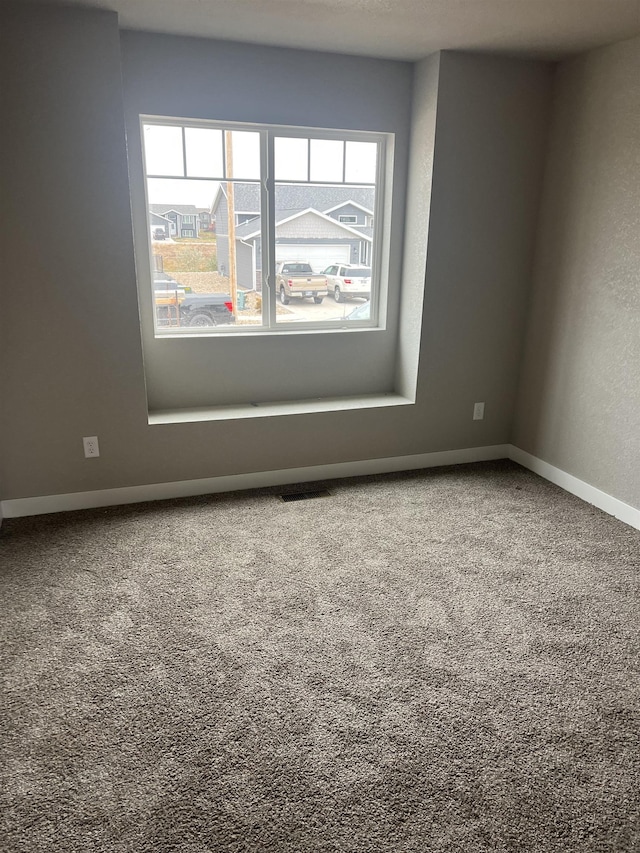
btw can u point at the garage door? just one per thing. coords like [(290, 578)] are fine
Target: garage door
[(318, 256)]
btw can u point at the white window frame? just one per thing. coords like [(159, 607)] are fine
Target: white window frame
[(268, 183), (348, 218)]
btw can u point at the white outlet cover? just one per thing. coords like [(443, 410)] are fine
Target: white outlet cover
[(478, 411), (91, 446)]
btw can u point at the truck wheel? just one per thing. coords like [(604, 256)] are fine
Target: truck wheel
[(337, 295), (202, 319), (283, 295), (318, 299)]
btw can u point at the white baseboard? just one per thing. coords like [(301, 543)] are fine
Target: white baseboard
[(620, 510), (210, 485), (188, 488)]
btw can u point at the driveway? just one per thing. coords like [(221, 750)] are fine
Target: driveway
[(306, 310)]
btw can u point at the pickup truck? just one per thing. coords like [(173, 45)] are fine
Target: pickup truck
[(296, 278), (177, 307)]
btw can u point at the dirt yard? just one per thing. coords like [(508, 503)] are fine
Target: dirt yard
[(202, 282), (188, 255)]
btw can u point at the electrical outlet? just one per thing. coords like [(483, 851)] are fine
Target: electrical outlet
[(478, 411), (91, 447)]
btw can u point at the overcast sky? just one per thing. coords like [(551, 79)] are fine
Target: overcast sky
[(296, 159), (200, 193)]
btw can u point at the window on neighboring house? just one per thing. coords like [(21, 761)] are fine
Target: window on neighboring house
[(243, 217), (271, 191), (188, 232), (187, 219)]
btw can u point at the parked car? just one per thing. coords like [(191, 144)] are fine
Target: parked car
[(346, 280), (177, 306), (296, 278), (362, 312)]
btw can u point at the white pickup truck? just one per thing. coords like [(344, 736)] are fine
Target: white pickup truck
[(296, 278)]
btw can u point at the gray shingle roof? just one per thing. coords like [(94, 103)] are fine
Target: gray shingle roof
[(179, 208), (294, 198), (361, 229), (300, 196)]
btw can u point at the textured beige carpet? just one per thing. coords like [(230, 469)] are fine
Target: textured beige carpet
[(444, 660)]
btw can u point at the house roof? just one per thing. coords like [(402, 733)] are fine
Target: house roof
[(352, 203), (252, 228), (179, 208), (159, 216), (300, 197), (366, 231)]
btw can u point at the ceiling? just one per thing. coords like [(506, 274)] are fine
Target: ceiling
[(395, 29)]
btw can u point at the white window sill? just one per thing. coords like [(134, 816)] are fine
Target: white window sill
[(265, 410)]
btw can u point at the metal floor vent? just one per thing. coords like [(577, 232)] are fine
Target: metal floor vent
[(287, 497)]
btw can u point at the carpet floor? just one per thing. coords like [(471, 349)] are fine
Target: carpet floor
[(443, 660)]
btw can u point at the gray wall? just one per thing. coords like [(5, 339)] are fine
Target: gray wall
[(426, 81), (492, 116), (71, 345), (579, 406), (71, 354)]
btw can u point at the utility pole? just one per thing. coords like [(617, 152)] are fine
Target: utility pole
[(231, 214)]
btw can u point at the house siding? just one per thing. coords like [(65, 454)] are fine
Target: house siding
[(244, 261), (350, 210), (310, 227)]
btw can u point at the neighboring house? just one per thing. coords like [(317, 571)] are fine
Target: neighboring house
[(318, 224), (205, 219), (157, 222), (184, 219)]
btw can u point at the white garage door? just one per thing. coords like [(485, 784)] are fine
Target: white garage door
[(319, 257)]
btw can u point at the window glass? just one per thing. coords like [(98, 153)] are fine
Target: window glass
[(291, 156), (244, 162), (207, 228), (327, 160), (192, 271), (308, 240), (163, 150), (204, 152), (361, 162)]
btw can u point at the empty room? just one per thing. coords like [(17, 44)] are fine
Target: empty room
[(320, 426)]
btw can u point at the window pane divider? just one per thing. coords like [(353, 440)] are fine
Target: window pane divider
[(267, 189), (185, 178), (224, 154)]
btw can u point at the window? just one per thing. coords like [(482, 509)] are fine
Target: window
[(241, 218), (271, 191)]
